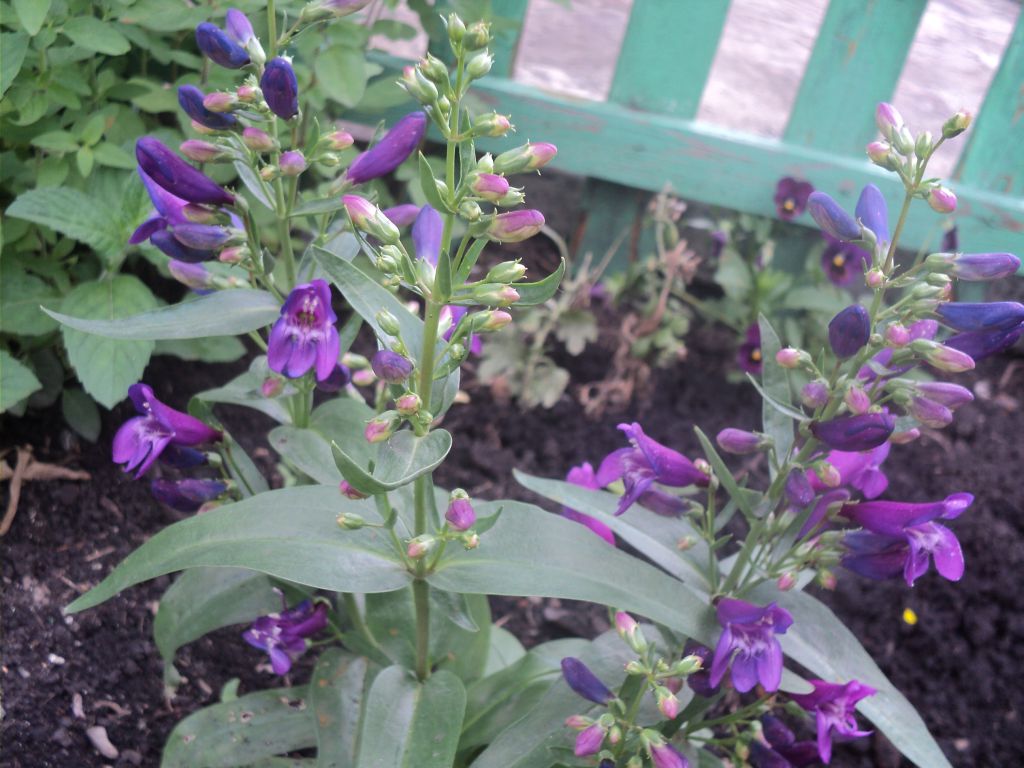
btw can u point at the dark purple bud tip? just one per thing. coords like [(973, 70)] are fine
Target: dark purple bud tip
[(855, 433), (849, 331), (391, 151), (219, 48), (987, 316), (872, 212), (981, 344), (391, 366), (831, 217), (280, 88), (460, 514), (584, 682), (191, 100), (176, 176), (186, 495), (170, 245)]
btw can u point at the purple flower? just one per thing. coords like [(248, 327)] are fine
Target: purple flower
[(791, 197), (748, 640), (220, 47), (872, 212), (186, 495), (799, 490), (585, 477), (849, 331), (280, 88), (391, 366), (283, 635), (985, 316), (142, 439), (589, 741), (176, 176), (860, 432), (460, 513), (641, 466), (748, 357), (515, 226), (202, 237), (700, 681), (195, 276), (403, 215), (860, 470), (451, 316), (833, 706), (427, 231), (950, 395), (170, 210), (902, 536), (981, 344), (340, 377), (929, 412), (191, 100), (391, 151), (974, 266), (304, 335), (739, 441), (667, 756), (239, 26), (831, 217), (843, 263), (584, 682), (821, 509), (182, 457)]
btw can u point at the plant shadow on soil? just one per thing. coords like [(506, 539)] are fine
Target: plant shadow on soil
[(960, 665)]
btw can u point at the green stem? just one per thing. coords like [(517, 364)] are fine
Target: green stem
[(421, 599), (272, 28)]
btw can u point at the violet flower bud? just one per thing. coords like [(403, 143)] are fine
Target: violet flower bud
[(381, 428), (220, 102), (460, 513), (888, 119), (391, 151), (257, 140), (815, 394), (668, 704), (956, 125), (948, 394), (798, 489), (176, 176), (739, 441), (584, 682), (857, 400), (195, 276), (169, 244), (192, 102), (897, 335), (930, 413), (351, 492), (515, 226), (201, 151), (880, 153), (981, 344), (872, 212), (368, 218), (589, 741), (831, 217), (403, 215), (985, 316), (528, 157), (786, 582), (489, 186), (943, 357), (790, 358), (186, 495), (219, 47), (974, 266), (493, 125), (239, 26), (205, 237), (292, 163), (942, 200), (855, 433), (667, 756), (408, 404), (336, 141), (496, 294), (849, 331), (280, 88), (391, 367)]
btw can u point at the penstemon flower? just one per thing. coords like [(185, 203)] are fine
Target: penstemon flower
[(283, 635), (187, 495), (176, 176), (833, 707), (748, 642), (860, 432), (391, 151), (304, 337), (221, 47), (280, 88), (585, 477), (585, 683)]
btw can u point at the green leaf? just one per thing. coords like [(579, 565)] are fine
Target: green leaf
[(317, 207), (307, 450), (20, 296), (341, 72), (221, 313), (16, 381), (429, 185), (113, 156), (107, 367), (339, 689), (410, 724), (32, 14), (95, 35), (531, 294), (84, 161), (81, 413), (505, 651), (242, 469), (775, 379), (383, 94), (56, 141), (242, 731), (402, 458), (257, 186), (290, 534), (212, 349), (13, 46), (733, 275), (724, 475), (245, 390), (576, 328), (72, 213), (204, 599)]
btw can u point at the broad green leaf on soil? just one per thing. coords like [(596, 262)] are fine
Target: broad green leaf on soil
[(223, 313), (775, 380), (290, 534), (341, 72), (81, 413), (540, 291), (505, 651), (13, 46), (204, 599), (342, 420), (75, 214), (32, 13), (245, 390), (243, 731), (338, 690), (401, 459), (824, 645), (410, 724), (308, 451), (95, 35), (532, 552), (16, 381), (654, 535), (21, 294), (212, 349), (107, 367)]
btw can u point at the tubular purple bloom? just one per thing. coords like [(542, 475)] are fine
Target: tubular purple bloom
[(292, 163), (822, 508), (170, 209), (186, 495), (749, 357), (667, 756), (181, 457), (944, 357), (460, 513), (791, 197), (700, 681), (202, 237), (191, 100), (304, 335), (831, 217), (860, 470), (888, 120), (584, 682), (589, 741), (391, 151), (843, 263), (748, 641), (950, 395), (891, 518), (985, 316), (739, 441), (799, 491), (426, 235), (930, 413), (176, 176), (980, 266), (942, 200), (283, 635), (141, 440), (339, 378), (239, 26), (861, 432), (515, 226), (490, 186), (981, 344), (219, 47), (280, 88), (403, 215), (872, 212), (391, 367), (195, 276), (849, 331), (833, 706), (585, 477), (170, 245)]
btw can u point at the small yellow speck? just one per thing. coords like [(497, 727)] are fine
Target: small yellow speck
[(909, 616)]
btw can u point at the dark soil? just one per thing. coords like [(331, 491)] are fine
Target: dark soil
[(960, 665)]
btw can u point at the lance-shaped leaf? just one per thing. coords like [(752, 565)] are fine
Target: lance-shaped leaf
[(540, 291), (223, 313), (290, 534), (245, 390), (243, 731), (775, 380), (339, 689), (401, 459), (410, 724)]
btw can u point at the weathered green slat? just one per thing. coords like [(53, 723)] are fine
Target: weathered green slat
[(507, 29), (667, 54), (994, 158), (856, 62), (614, 214)]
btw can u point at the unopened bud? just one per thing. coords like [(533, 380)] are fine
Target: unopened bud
[(506, 272), (956, 125), (202, 151), (903, 140), (269, 172), (528, 157), (460, 513), (271, 387), (942, 357), (388, 323), (514, 226), (880, 153), (368, 218), (897, 335), (235, 254), (470, 210), (857, 400), (350, 521), (337, 141), (495, 294), (248, 93), (478, 34), (635, 667), (923, 145), (220, 101), (942, 200), (902, 438), (257, 140), (874, 278), (491, 320), (685, 543), (470, 540), (420, 546), (786, 581), (456, 29), (479, 65), (350, 491), (629, 631), (888, 119), (788, 357), (826, 580), (668, 704), (381, 428), (292, 163), (433, 69), (815, 394), (408, 404), (492, 125), (828, 474)]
